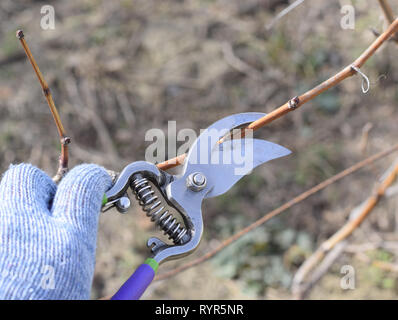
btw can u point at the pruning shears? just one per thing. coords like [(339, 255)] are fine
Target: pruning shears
[(210, 169)]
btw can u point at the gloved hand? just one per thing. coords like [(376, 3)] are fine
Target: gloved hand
[(48, 234)]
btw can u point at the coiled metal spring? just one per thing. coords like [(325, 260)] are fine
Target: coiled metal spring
[(154, 209)]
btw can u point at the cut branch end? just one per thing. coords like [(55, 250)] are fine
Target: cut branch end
[(64, 139)]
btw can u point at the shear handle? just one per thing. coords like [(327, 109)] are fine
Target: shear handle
[(138, 282)]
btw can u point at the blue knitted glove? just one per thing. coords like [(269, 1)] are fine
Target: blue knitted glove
[(48, 234)]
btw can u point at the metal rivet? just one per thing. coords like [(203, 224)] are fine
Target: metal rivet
[(196, 181), (123, 204)]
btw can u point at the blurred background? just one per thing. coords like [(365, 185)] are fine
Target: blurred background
[(119, 68)]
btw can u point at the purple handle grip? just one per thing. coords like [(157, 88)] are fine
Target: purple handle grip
[(135, 286)]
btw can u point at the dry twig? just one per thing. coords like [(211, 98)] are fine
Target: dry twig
[(299, 289), (389, 17), (387, 11), (64, 139), (388, 14), (356, 218)]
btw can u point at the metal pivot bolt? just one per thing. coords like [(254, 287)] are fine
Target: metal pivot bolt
[(123, 204), (196, 181)]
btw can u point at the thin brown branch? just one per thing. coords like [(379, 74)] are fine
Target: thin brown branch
[(299, 289), (388, 14), (351, 225), (64, 139), (279, 210), (298, 101)]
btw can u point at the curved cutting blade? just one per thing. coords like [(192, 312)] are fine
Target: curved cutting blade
[(237, 158), (200, 152)]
